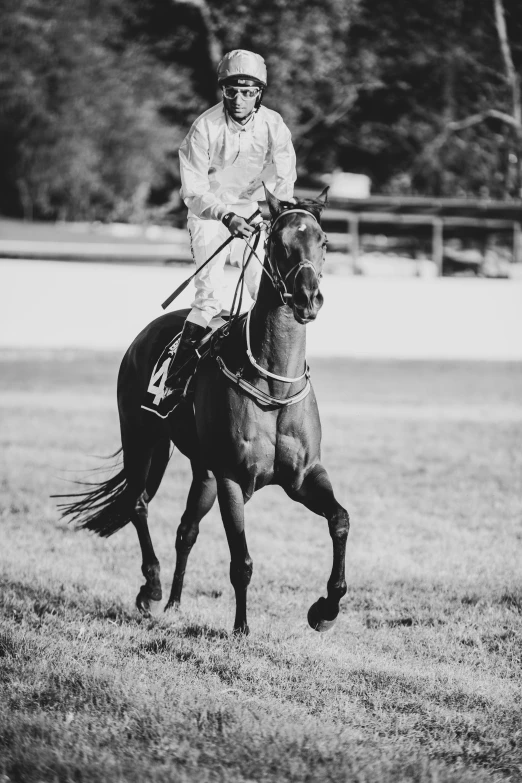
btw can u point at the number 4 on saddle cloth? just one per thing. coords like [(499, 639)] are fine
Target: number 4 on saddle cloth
[(157, 399)]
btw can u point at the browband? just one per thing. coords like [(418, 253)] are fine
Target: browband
[(289, 211)]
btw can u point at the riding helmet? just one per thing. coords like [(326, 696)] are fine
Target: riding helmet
[(240, 62)]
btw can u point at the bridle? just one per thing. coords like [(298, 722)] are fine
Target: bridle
[(280, 285), (278, 281)]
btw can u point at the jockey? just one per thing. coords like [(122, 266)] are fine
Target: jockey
[(230, 150)]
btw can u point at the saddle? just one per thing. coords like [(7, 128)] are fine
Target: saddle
[(154, 399)]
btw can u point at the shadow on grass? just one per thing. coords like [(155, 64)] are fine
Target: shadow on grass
[(209, 593), (115, 612), (166, 641), (512, 599), (24, 600), (372, 621), (35, 603), (194, 631)]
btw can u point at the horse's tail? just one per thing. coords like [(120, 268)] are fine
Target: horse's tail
[(104, 508)]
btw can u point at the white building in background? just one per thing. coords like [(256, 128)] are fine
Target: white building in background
[(343, 184)]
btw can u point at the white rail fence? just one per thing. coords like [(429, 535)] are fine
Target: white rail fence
[(53, 305)]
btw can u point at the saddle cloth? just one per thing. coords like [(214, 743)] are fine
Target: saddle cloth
[(154, 399)]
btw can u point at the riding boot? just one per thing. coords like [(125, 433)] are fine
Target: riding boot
[(181, 365)]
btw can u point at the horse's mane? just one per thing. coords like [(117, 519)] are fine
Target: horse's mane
[(312, 205)]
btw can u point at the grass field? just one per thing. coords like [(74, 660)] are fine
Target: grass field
[(418, 681)]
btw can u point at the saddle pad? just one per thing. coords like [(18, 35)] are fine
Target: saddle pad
[(156, 385)]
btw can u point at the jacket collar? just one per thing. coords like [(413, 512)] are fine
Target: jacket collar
[(237, 127)]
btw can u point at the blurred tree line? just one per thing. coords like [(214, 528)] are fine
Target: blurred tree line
[(96, 95)]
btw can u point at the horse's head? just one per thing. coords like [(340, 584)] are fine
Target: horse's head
[(296, 253)]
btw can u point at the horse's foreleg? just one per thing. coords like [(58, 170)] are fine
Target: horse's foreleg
[(316, 493), (232, 507), (201, 497)]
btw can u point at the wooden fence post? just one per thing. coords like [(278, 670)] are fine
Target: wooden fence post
[(517, 243), (437, 244), (353, 223)]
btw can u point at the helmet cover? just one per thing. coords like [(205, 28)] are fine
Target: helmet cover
[(240, 62)]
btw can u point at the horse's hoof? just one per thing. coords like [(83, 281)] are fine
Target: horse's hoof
[(171, 605), (241, 630), (320, 616), (146, 604), (143, 606), (152, 587)]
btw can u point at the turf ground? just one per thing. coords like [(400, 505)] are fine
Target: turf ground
[(418, 681)]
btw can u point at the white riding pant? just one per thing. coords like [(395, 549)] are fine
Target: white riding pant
[(205, 237)]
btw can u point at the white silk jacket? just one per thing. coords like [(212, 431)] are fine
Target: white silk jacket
[(223, 163)]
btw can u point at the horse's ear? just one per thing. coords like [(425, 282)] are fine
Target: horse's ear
[(323, 197), (274, 205), (317, 205)]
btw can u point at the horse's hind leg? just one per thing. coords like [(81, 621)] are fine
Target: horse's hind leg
[(145, 465), (150, 568), (316, 493), (201, 497), (232, 506)]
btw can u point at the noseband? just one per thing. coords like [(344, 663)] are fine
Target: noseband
[(278, 281)]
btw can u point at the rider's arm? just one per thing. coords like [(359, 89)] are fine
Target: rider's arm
[(284, 160), (194, 162)]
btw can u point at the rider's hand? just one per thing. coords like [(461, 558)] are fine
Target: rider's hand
[(238, 227)]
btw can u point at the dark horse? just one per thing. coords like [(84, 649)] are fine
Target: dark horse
[(253, 420)]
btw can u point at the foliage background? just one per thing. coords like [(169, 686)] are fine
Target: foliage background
[(96, 96)]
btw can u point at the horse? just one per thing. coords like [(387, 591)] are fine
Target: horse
[(252, 420)]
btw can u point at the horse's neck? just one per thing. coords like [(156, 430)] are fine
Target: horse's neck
[(277, 341)]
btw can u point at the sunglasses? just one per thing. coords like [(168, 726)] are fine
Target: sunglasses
[(245, 92)]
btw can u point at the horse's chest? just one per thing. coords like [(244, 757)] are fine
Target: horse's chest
[(255, 444), (266, 450)]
